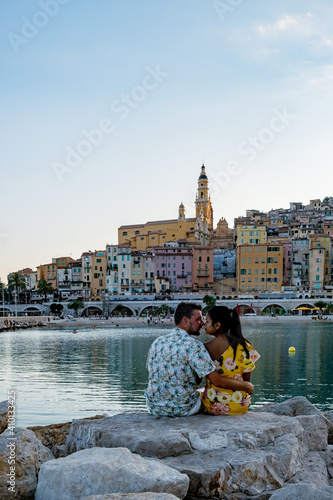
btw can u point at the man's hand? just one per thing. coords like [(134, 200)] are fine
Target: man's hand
[(230, 383), (249, 387)]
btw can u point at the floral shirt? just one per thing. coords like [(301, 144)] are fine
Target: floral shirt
[(175, 363), (219, 401)]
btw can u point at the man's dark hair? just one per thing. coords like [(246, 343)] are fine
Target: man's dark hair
[(185, 309)]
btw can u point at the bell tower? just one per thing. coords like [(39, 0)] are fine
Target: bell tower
[(181, 212), (203, 204)]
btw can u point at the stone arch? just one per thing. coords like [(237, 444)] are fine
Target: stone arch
[(273, 308), (243, 309), (122, 310), (147, 309), (91, 311), (34, 310), (5, 310)]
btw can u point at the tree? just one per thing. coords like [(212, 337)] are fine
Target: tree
[(56, 308), (210, 301), (76, 305), (44, 287), (321, 304), (16, 282), (329, 307)]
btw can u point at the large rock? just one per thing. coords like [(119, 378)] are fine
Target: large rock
[(3, 416), (54, 436), (228, 457), (26, 453), (100, 471), (329, 416), (293, 407), (133, 496), (298, 406), (303, 491)]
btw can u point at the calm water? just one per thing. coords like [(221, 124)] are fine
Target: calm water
[(59, 376)]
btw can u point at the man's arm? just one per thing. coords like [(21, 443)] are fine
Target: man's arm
[(229, 383)]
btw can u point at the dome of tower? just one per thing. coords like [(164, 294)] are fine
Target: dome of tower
[(203, 173)]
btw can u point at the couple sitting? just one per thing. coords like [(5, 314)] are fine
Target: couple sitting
[(177, 364)]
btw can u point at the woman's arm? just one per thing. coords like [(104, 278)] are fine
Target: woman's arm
[(229, 383)]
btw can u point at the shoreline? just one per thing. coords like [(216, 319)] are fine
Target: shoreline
[(99, 323), (17, 323)]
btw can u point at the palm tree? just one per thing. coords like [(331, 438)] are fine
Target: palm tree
[(16, 282), (44, 287), (329, 307), (321, 304), (76, 305)]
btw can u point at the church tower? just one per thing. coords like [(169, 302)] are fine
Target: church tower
[(181, 212), (203, 204)]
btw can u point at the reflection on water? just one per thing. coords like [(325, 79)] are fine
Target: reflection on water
[(59, 375)]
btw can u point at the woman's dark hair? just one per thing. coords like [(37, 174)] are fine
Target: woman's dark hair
[(230, 326)]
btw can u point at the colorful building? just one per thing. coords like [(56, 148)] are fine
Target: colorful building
[(203, 268), (260, 268)]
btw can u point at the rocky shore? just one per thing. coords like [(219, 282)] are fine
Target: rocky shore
[(279, 451), (23, 322)]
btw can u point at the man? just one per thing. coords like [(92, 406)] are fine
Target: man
[(176, 365)]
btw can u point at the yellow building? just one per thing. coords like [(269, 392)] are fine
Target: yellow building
[(259, 268), (251, 234), (98, 274), (319, 260), (47, 272), (156, 233)]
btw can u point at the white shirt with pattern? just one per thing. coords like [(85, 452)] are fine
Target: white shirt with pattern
[(175, 361)]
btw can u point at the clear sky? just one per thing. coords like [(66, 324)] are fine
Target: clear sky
[(108, 109)]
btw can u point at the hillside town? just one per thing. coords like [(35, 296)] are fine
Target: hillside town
[(285, 250)]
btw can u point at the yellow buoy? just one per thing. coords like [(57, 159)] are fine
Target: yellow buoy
[(292, 349)]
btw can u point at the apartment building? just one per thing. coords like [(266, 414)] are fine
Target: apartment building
[(203, 268), (260, 268)]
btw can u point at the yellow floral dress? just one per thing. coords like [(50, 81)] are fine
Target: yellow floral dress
[(218, 401)]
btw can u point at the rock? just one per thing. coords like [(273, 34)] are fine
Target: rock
[(236, 456), (99, 471), (133, 496), (299, 406), (329, 416), (164, 437), (329, 461), (303, 491), (293, 407), (313, 470), (28, 454), (315, 431), (3, 416), (54, 436)]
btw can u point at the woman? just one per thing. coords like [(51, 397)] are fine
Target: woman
[(233, 356)]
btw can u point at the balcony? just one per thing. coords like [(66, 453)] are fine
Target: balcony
[(181, 275)]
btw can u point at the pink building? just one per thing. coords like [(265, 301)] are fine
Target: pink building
[(175, 264)]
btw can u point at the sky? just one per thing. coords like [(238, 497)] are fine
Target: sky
[(109, 108)]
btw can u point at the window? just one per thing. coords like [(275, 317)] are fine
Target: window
[(124, 233)]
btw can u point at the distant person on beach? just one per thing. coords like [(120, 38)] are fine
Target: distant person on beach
[(233, 357), (74, 331), (176, 365)]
